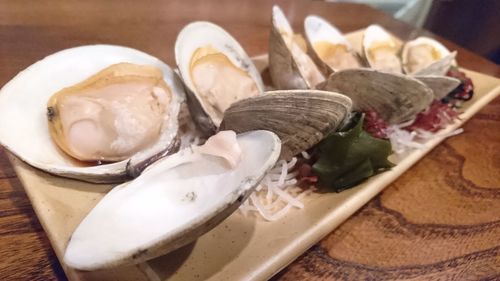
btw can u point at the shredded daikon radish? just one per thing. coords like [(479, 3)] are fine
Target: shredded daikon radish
[(277, 193), (430, 135), (403, 141)]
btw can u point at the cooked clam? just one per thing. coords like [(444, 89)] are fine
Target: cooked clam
[(381, 49), (395, 97), (440, 85), (171, 203), (419, 53), (439, 67), (289, 65), (102, 118), (112, 115), (216, 71), (329, 47), (301, 118)]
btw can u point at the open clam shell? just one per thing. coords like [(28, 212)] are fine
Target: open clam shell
[(381, 49), (395, 97), (169, 205), (289, 65), (439, 67), (328, 47), (203, 46), (301, 118), (24, 127), (419, 53)]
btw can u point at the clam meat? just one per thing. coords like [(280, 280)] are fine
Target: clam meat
[(289, 64), (216, 71), (439, 67), (112, 115), (90, 105), (328, 46), (421, 52), (381, 49)]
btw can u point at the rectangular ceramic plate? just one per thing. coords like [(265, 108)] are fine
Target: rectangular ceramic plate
[(240, 248)]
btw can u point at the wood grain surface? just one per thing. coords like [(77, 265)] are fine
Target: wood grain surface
[(439, 221)]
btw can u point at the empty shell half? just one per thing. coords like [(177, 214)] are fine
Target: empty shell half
[(170, 204)]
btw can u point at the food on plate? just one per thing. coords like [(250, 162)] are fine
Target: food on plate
[(24, 101), (401, 112), (381, 49), (330, 49), (301, 118), (223, 145), (216, 71), (171, 203), (441, 86), (464, 91), (350, 155), (112, 115), (439, 67), (395, 97), (421, 52), (115, 115), (289, 64)]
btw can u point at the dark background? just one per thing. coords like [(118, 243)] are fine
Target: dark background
[(473, 24)]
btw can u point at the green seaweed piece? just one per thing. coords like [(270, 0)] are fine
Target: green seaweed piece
[(350, 155)]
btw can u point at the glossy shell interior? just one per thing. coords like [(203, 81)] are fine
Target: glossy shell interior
[(24, 99)]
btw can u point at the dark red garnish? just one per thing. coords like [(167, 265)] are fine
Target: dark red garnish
[(435, 118), (441, 113), (464, 91), (375, 125), (306, 174)]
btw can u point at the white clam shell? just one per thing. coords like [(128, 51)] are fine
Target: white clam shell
[(284, 65), (439, 67), (23, 101), (280, 21), (440, 48), (301, 118), (202, 34), (440, 85), (375, 35), (318, 29), (169, 205), (395, 97)]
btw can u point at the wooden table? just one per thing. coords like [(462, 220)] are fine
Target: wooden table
[(440, 220)]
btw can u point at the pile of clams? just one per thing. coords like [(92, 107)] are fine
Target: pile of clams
[(395, 80), (110, 114)]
